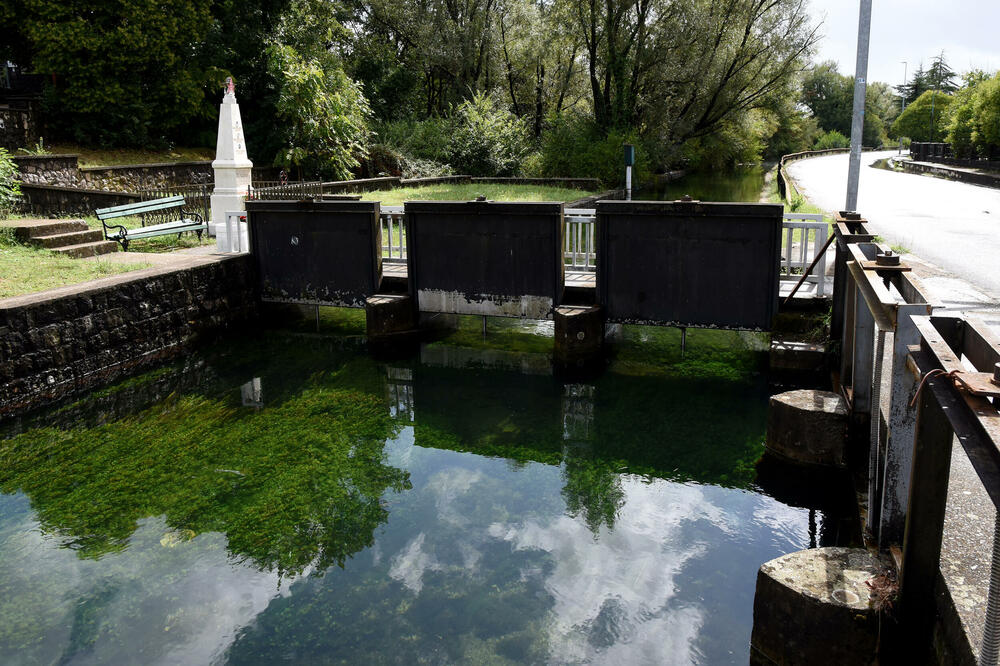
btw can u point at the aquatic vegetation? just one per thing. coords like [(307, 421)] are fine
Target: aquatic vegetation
[(287, 496), (296, 485)]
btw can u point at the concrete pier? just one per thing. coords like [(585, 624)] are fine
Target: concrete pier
[(816, 607), (389, 317), (808, 427), (579, 334)]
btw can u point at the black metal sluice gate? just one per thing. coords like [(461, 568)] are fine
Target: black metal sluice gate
[(665, 263)]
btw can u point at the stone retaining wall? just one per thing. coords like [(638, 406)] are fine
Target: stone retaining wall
[(56, 201), (18, 127), (65, 171), (71, 340), (59, 170), (135, 177)]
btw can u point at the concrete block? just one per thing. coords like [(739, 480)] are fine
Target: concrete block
[(387, 315), (579, 333), (814, 607), (787, 356), (807, 427)]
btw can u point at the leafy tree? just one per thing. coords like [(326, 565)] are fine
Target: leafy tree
[(725, 58), (830, 96), (962, 123), (236, 42), (323, 113), (323, 116), (122, 72), (925, 119), (916, 86)]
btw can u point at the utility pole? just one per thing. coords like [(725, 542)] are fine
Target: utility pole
[(902, 103), (858, 115)]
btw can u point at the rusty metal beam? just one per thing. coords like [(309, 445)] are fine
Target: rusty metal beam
[(878, 299)]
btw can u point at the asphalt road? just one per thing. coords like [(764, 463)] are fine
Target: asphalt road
[(952, 225)]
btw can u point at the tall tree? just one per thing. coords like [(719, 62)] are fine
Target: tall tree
[(122, 72), (682, 68), (940, 76)]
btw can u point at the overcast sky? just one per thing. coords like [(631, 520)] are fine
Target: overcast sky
[(913, 30)]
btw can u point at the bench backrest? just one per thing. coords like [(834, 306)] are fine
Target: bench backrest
[(140, 207)]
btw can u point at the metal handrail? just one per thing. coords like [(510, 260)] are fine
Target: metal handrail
[(813, 233)]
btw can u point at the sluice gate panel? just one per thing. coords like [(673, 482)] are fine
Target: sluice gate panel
[(689, 263), (317, 252), (485, 258)]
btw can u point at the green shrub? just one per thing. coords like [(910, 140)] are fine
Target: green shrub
[(420, 139), (488, 139), (832, 139), (575, 148), (10, 186), (480, 138)]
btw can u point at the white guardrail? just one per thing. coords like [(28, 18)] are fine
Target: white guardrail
[(798, 250), (804, 236)]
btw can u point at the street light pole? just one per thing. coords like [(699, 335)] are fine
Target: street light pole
[(858, 114), (902, 103)]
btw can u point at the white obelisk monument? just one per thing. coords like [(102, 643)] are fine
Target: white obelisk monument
[(231, 165)]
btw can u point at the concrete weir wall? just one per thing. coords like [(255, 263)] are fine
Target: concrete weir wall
[(70, 340)]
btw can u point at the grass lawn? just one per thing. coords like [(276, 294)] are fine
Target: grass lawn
[(97, 157), (25, 269), (469, 191)]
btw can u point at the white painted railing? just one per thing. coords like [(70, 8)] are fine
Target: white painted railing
[(393, 235), (579, 251), (798, 250)]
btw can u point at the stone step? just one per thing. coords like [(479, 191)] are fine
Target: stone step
[(88, 249), (29, 229), (66, 239)]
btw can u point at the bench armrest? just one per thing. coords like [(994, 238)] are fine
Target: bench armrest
[(122, 231), (192, 214)]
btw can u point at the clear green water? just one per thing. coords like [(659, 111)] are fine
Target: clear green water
[(743, 184), (286, 498)]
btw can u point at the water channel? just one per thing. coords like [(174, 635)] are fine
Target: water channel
[(742, 184), (287, 497)]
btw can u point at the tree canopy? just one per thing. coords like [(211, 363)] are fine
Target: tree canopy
[(974, 123), (926, 118), (326, 82), (829, 95)]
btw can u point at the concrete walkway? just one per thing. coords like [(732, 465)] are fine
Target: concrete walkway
[(954, 228), (177, 257)]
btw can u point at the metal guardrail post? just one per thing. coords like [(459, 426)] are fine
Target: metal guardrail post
[(888, 295), (902, 427), (925, 519), (849, 228), (863, 360)]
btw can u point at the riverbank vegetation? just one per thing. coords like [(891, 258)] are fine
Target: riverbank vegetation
[(362, 87), (359, 88)]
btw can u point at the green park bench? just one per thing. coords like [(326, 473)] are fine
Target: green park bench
[(117, 232)]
